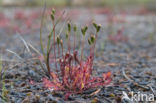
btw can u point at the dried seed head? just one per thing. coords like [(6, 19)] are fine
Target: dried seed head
[(98, 27), (95, 25), (53, 14), (92, 38), (49, 36), (58, 39), (52, 17), (84, 30), (53, 11), (69, 27), (75, 28)]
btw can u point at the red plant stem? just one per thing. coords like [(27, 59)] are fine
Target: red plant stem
[(92, 49), (70, 67), (74, 44), (62, 49), (69, 43), (47, 63), (74, 40), (47, 59), (58, 50), (82, 48)]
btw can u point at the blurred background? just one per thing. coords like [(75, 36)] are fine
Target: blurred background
[(22, 15), (150, 4), (130, 16)]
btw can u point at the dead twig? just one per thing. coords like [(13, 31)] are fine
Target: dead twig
[(132, 81), (124, 74), (150, 87), (96, 92), (14, 54)]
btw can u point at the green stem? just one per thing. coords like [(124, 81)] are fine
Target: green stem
[(54, 46), (41, 42), (93, 49), (49, 40)]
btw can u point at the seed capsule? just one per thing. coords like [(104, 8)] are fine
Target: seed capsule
[(53, 11), (52, 17), (84, 30), (69, 27), (92, 38), (95, 25), (98, 27), (58, 39), (75, 28)]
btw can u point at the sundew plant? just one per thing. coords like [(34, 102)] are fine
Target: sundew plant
[(71, 73)]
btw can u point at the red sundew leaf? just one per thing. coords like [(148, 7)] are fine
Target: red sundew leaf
[(47, 83), (96, 85), (107, 81), (73, 72), (53, 75), (82, 85), (65, 81), (107, 75), (91, 80), (58, 86), (77, 78), (75, 81), (50, 85), (55, 78), (87, 76), (66, 76)]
